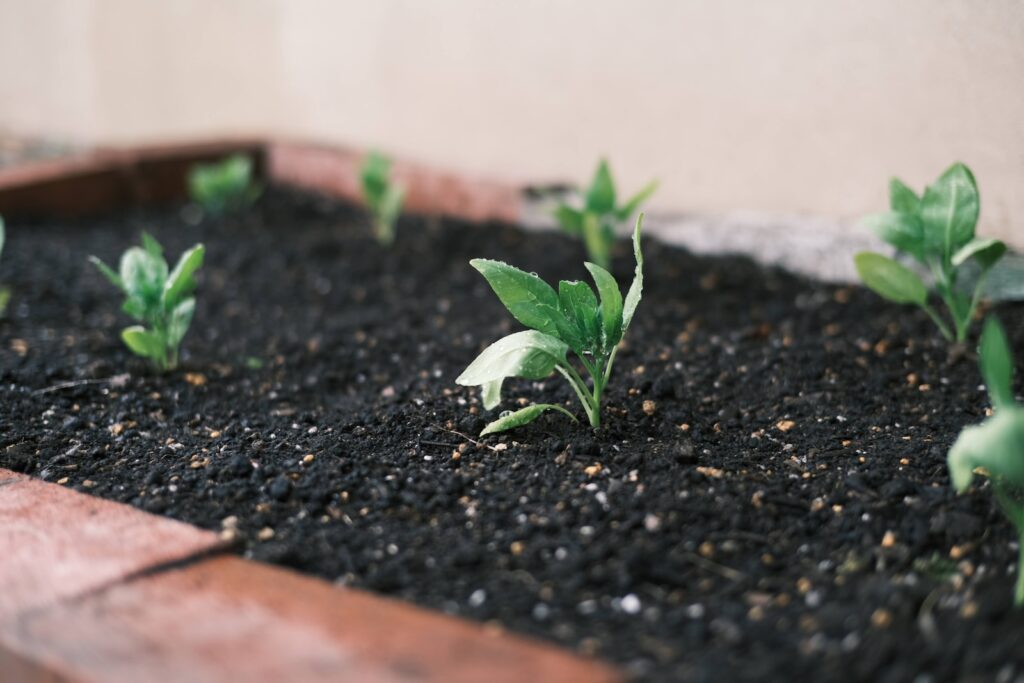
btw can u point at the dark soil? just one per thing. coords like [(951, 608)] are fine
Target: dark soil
[(780, 511)]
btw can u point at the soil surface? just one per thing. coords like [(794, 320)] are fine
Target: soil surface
[(768, 499)]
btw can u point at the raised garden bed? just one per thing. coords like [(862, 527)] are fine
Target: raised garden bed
[(768, 498)]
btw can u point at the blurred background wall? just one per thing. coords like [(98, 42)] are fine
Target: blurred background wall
[(796, 106)]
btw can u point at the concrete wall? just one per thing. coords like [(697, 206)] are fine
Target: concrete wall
[(788, 106)]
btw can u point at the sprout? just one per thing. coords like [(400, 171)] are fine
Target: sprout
[(159, 299), (572, 318), (937, 230)]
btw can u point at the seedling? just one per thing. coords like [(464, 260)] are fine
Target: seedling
[(995, 448), (5, 292), (159, 299), (570, 319), (597, 221), (383, 198), (937, 230), (226, 185)]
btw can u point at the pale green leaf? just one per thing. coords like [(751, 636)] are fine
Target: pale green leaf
[(902, 199), (144, 343), (949, 211), (636, 289), (529, 354), (521, 417), (889, 279), (569, 219), (986, 251), (108, 272), (629, 208), (997, 364), (600, 197), (902, 230), (143, 274), (996, 445), (179, 321), (490, 393), (180, 283), (598, 238)]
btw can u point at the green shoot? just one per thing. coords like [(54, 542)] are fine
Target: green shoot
[(160, 299), (937, 230), (383, 198), (572, 318), (996, 446), (597, 221), (226, 185)]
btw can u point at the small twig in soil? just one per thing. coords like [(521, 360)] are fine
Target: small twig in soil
[(440, 444), (715, 568), (467, 438), (116, 380)]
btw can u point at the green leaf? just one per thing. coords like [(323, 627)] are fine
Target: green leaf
[(529, 299), (180, 282), (902, 230), (5, 298), (579, 307), (611, 304), (889, 279), (949, 210), (997, 364), (179, 321), (521, 417), (375, 174), (144, 343), (637, 287), (902, 199), (108, 272), (997, 445), (151, 246), (600, 197), (528, 354), (490, 392), (598, 238), (143, 274), (569, 219), (630, 207), (987, 251)]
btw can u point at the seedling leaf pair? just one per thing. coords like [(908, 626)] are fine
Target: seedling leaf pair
[(996, 447), (596, 222), (937, 230), (573, 318), (156, 296), (226, 185), (383, 198)]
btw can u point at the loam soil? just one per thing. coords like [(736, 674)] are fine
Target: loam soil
[(768, 499)]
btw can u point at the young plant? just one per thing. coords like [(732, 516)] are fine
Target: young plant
[(597, 221), (383, 198), (572, 319), (996, 446), (5, 292), (162, 301), (937, 230), (224, 185)]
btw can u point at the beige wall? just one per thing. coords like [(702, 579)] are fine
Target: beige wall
[(783, 106)]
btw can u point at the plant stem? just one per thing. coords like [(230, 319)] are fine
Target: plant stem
[(1018, 593), (943, 327), (580, 387)]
